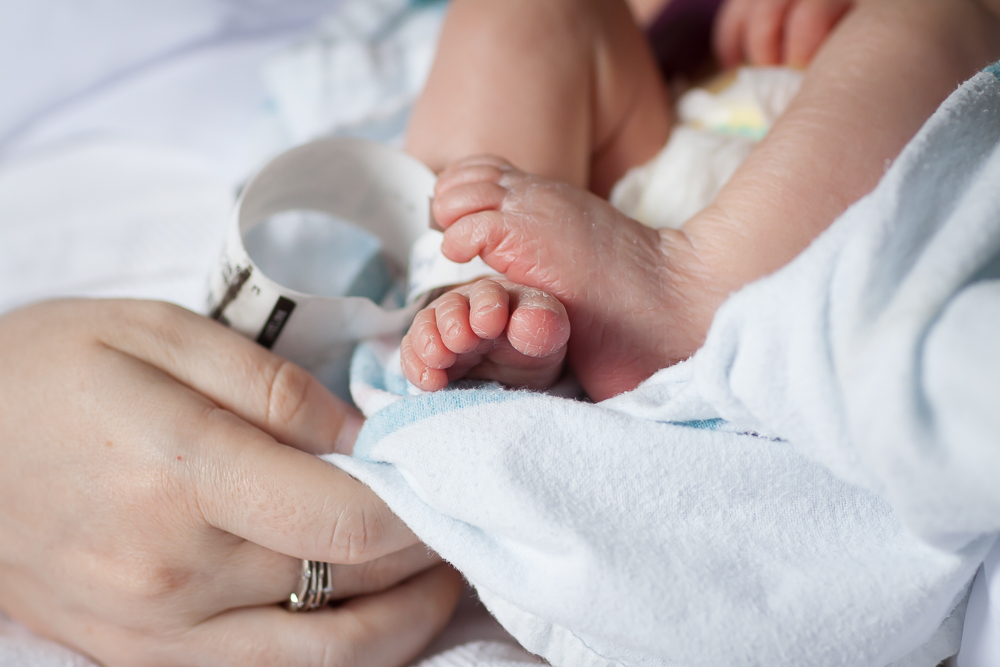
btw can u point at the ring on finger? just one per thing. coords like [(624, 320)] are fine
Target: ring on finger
[(315, 587)]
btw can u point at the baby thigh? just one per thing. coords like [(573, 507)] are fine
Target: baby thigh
[(566, 89)]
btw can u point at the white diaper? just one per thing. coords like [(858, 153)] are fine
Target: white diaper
[(718, 127)]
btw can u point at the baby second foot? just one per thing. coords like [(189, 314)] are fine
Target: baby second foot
[(631, 303), (487, 330)]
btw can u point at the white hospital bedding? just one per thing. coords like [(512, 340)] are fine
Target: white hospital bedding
[(148, 220)]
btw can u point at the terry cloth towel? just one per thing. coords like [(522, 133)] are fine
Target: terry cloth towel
[(816, 486)]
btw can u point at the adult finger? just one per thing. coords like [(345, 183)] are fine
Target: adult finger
[(234, 477), (245, 483), (807, 27), (384, 630), (236, 373), (254, 576), (350, 581), (432, 596)]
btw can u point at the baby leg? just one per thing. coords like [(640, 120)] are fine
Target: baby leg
[(639, 300), (491, 329), (567, 89), (873, 84)]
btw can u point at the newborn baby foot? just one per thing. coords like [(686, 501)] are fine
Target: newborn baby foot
[(487, 330), (625, 286)]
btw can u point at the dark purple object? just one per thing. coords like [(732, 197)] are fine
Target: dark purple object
[(681, 36)]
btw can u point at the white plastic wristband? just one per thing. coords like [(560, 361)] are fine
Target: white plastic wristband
[(378, 189)]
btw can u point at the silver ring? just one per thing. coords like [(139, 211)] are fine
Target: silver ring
[(315, 588)]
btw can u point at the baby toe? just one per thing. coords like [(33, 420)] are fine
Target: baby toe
[(467, 199), (539, 325), (417, 372), (489, 306), (452, 315), (427, 343), (477, 173), (508, 366), (475, 169), (482, 159)]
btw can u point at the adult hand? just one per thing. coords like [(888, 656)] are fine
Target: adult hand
[(158, 488)]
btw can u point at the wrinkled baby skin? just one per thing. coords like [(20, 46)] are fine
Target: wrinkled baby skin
[(629, 291), (489, 330)]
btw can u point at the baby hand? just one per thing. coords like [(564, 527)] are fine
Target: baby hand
[(775, 32), (487, 330)]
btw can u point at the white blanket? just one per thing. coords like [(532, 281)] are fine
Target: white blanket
[(817, 486)]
